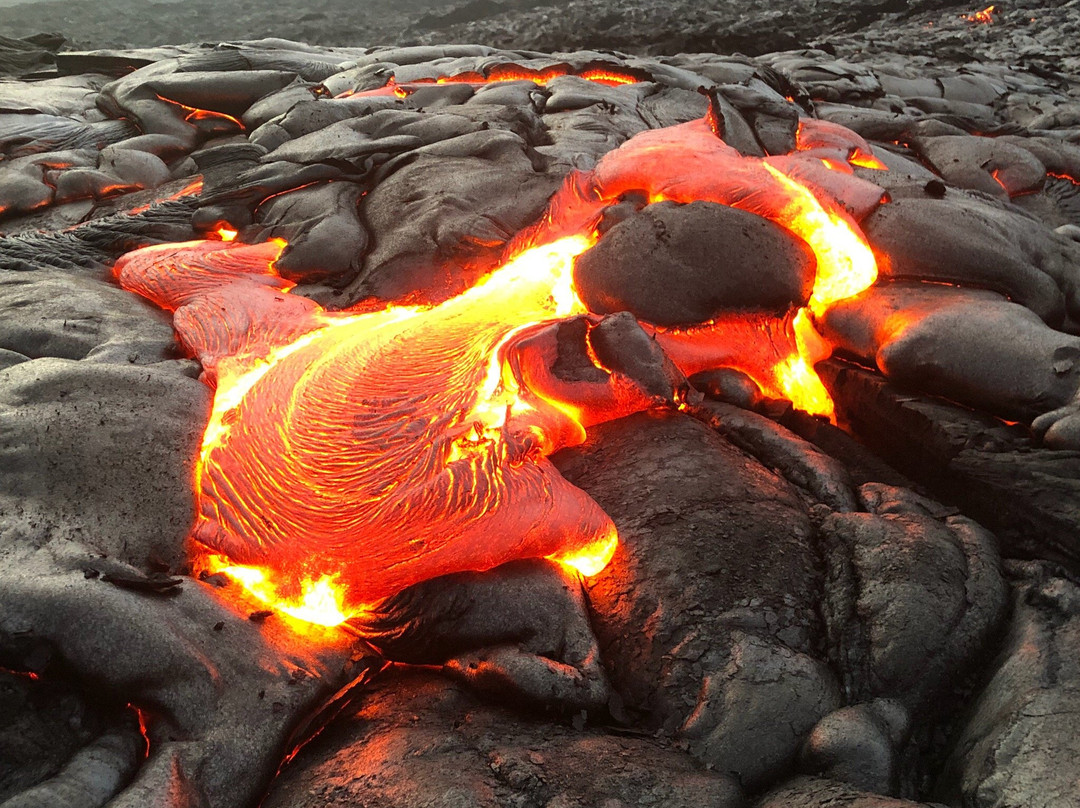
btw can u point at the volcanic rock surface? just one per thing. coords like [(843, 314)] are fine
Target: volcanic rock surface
[(787, 620)]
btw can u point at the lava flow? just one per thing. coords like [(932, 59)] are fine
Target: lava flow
[(984, 16), (350, 455), (689, 163), (383, 448)]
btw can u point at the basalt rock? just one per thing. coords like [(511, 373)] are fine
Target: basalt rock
[(907, 562), (968, 243), (1019, 735), (951, 341), (438, 220), (676, 264), (125, 437), (705, 616), (79, 317), (321, 223), (395, 750), (780, 605), (810, 792)]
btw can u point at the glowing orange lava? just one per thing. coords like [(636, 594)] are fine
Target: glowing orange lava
[(984, 16), (350, 455), (319, 601), (688, 163), (866, 160), (610, 76), (1059, 176), (367, 452)]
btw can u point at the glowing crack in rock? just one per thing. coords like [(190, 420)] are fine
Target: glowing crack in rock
[(605, 74), (352, 454)]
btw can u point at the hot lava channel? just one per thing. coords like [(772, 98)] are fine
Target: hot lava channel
[(350, 455)]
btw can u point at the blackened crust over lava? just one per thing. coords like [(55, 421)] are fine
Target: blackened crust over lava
[(673, 264)]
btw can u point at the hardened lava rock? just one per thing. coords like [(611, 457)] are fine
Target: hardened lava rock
[(786, 621)]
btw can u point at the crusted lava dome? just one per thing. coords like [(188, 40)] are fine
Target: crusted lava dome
[(672, 265)]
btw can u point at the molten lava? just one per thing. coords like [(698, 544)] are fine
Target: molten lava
[(349, 455), (985, 16), (320, 601), (383, 448), (194, 115), (688, 163)]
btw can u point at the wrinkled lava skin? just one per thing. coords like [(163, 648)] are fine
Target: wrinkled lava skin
[(390, 447), (355, 451)]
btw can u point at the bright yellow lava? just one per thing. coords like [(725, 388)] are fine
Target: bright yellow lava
[(320, 601)]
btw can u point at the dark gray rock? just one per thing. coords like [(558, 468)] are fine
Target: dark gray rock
[(968, 345), (773, 119), (24, 134), (225, 696), (812, 792), (279, 103), (859, 745), (321, 223), (798, 461), (343, 143), (827, 79), (418, 739), (970, 243), (43, 724), (226, 92), (438, 220), (990, 165), (585, 123), (95, 243), (992, 470), (519, 632), (914, 594), (59, 314), (101, 453), (674, 264), (23, 191), (706, 614), (140, 169), (1018, 742), (88, 183)]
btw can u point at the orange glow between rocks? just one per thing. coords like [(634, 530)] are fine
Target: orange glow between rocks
[(592, 559), (608, 75), (1059, 176), (194, 114), (350, 455), (985, 16), (845, 262), (688, 163)]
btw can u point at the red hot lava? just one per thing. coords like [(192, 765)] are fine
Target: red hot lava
[(984, 16), (350, 455)]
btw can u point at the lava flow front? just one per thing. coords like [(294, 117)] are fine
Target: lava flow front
[(350, 455)]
